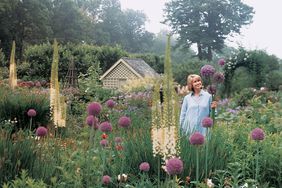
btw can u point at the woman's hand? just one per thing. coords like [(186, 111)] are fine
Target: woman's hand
[(214, 104)]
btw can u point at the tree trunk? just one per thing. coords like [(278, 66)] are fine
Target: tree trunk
[(200, 54), (209, 53)]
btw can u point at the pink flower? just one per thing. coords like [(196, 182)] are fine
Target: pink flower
[(174, 166), (118, 140), (218, 77), (124, 122), (110, 103), (221, 62), (31, 113), (145, 167), (207, 122), (257, 134), (94, 108), (197, 139), (104, 143), (41, 131), (106, 127), (211, 89), (91, 120), (106, 180), (207, 71)]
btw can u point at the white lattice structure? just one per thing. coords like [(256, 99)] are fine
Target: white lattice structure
[(126, 69)]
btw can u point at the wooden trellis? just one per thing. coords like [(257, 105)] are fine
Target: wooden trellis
[(71, 79)]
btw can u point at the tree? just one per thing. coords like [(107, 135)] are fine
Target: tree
[(206, 23)]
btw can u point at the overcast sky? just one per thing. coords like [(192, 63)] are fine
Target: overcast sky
[(265, 33)]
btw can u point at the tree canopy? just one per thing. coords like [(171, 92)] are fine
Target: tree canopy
[(206, 23)]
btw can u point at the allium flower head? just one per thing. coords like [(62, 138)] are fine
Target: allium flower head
[(197, 139), (110, 103), (207, 122), (257, 134), (106, 180), (207, 71), (41, 131), (94, 108), (211, 89), (145, 167), (218, 77), (104, 143), (124, 121), (31, 113), (91, 120), (106, 127), (118, 140), (221, 62), (174, 166)]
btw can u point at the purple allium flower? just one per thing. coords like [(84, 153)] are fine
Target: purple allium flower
[(118, 140), (94, 108), (145, 167), (110, 103), (41, 131), (106, 180), (221, 62), (197, 139), (105, 127), (174, 166), (31, 113), (104, 143), (207, 122), (218, 77), (257, 134), (91, 120), (211, 89), (207, 71), (124, 121)]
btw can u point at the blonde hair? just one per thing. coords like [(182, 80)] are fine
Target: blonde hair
[(190, 79)]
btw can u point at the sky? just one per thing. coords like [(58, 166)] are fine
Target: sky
[(265, 33)]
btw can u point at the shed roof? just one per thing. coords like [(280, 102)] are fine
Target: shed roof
[(136, 65)]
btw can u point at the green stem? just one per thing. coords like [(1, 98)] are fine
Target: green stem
[(207, 150), (30, 124), (197, 164), (159, 170), (257, 163)]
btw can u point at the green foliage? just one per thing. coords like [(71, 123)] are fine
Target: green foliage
[(259, 67), (15, 104), (40, 59), (24, 181)]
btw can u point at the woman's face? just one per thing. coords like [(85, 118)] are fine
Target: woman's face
[(197, 83)]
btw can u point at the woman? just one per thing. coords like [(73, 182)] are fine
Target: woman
[(196, 105)]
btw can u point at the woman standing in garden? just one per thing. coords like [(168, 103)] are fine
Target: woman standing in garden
[(197, 104)]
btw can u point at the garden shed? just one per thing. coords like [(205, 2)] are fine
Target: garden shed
[(126, 69)]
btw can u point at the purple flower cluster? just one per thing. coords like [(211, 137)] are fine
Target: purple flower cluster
[(124, 121), (218, 77), (41, 131), (91, 120), (104, 143), (106, 127), (31, 113), (197, 139), (207, 71), (145, 167), (207, 122), (106, 180), (118, 140), (110, 103), (94, 108), (211, 89), (257, 134), (174, 166), (221, 62)]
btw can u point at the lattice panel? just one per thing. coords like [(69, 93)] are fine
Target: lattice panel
[(118, 76)]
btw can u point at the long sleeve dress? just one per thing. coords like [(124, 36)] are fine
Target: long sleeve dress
[(193, 110)]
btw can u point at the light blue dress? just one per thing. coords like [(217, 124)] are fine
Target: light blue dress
[(193, 110)]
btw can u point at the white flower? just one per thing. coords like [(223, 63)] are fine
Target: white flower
[(210, 184)]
